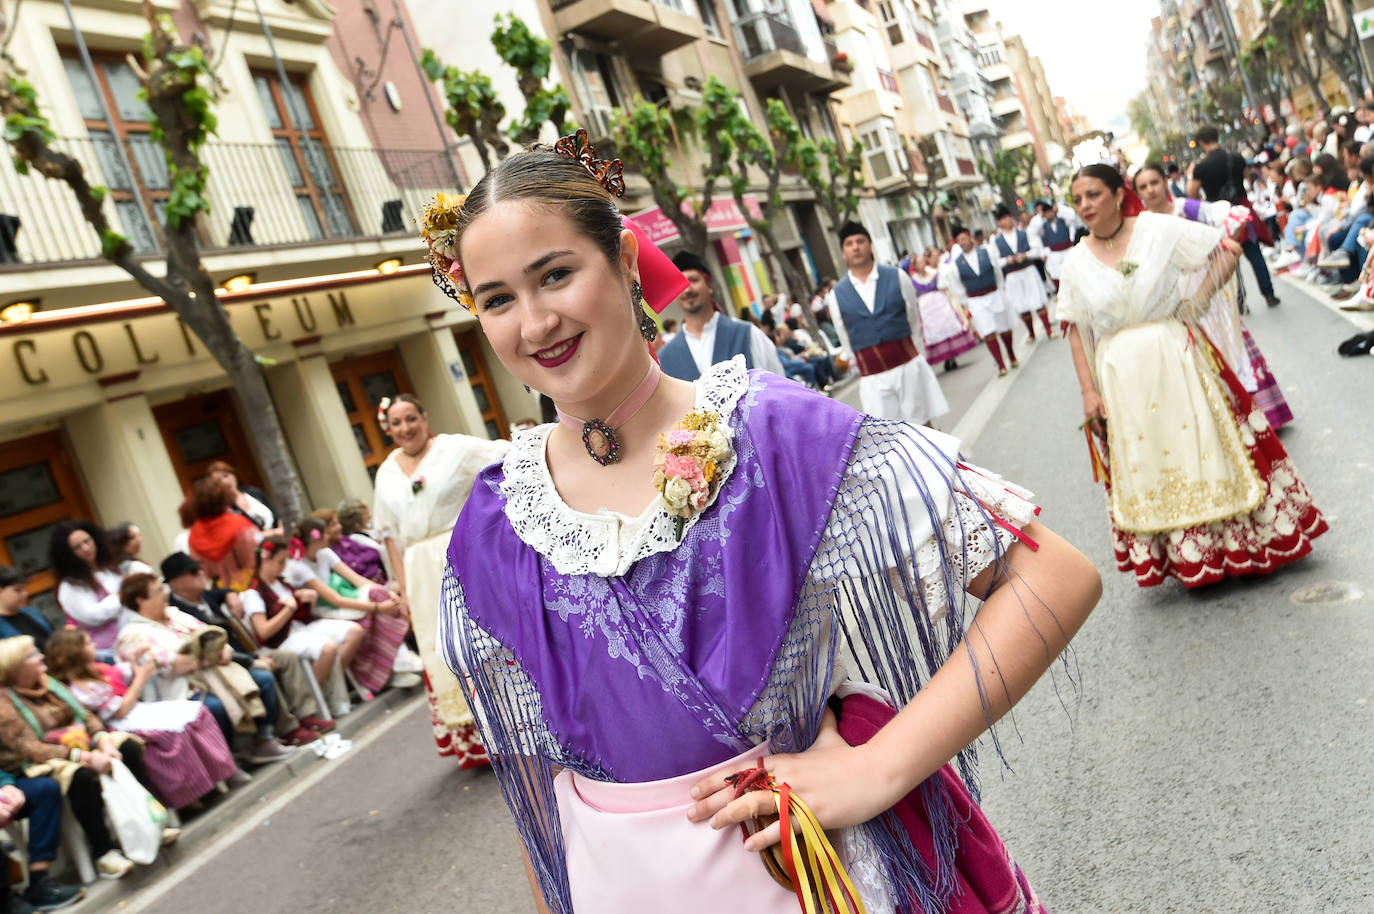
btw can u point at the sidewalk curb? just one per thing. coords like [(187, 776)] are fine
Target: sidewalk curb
[(106, 894), (1363, 320)]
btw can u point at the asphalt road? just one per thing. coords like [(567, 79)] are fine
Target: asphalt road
[(1209, 752)]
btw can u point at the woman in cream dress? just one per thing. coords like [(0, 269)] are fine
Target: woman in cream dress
[(420, 489), (1200, 487)]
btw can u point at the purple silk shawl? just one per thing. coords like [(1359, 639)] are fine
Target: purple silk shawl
[(649, 675)]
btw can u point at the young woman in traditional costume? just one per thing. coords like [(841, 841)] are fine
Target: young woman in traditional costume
[(693, 580), (1200, 487)]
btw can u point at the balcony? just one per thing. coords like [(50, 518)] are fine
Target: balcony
[(966, 167), (983, 128), (946, 104), (262, 196), (647, 28), (775, 55)]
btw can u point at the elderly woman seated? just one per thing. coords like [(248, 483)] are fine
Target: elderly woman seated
[(45, 731), (155, 630)]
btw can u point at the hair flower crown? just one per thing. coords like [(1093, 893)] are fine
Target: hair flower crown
[(439, 219)]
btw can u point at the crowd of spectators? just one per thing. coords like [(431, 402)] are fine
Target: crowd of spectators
[(1311, 187), (244, 644)]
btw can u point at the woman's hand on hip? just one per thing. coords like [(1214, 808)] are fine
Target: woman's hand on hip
[(841, 783)]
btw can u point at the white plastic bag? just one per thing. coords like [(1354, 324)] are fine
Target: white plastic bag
[(135, 814)]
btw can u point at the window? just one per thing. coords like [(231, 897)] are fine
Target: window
[(130, 132), (305, 155), (889, 17), (707, 8), (594, 81), (200, 430)]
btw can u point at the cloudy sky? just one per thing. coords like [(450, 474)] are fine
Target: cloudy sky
[(1093, 51)]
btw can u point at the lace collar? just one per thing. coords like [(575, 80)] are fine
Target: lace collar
[(605, 543)]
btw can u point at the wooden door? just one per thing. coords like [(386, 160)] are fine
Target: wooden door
[(39, 488), (199, 430), (483, 387), (362, 383)]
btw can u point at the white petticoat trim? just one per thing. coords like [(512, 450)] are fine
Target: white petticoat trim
[(605, 543)]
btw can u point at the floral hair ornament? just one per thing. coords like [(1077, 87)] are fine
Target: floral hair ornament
[(382, 407), (439, 229), (296, 549), (267, 547), (610, 173), (315, 534)]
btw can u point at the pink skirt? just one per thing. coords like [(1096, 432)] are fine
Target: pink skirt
[(630, 848)]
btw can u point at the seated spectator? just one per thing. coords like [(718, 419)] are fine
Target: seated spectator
[(1347, 256), (157, 630), (88, 576), (358, 544), (669, 331), (249, 501), (281, 618), (809, 351), (17, 617), (43, 731), (184, 751), (222, 540), (40, 801), (191, 593), (383, 615), (126, 542), (794, 368)]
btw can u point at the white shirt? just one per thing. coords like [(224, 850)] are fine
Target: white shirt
[(762, 352), (1036, 229), (1363, 133), (868, 294), (1036, 252), (255, 605), (300, 572)]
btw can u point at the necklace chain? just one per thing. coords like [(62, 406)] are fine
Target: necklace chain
[(1110, 240)]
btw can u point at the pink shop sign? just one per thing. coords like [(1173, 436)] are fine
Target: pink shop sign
[(723, 217)]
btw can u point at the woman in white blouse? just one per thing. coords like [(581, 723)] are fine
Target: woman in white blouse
[(420, 489)]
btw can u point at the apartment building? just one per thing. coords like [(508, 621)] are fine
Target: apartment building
[(327, 145), (1037, 104)]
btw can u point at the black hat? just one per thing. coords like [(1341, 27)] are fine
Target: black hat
[(853, 228), (956, 230), (686, 260), (1043, 202), (1001, 212), (177, 564)]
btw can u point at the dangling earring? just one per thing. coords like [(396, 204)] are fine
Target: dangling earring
[(527, 389), (647, 328)]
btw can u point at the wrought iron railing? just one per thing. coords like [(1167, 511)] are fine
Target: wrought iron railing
[(762, 33), (292, 191)]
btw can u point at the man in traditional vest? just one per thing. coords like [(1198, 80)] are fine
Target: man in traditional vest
[(1016, 254), (975, 280), (709, 336), (878, 319), (1053, 227)]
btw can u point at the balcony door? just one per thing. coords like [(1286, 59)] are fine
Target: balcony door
[(309, 161), (199, 430), (38, 489)]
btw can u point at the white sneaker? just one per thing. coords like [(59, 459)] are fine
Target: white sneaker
[(340, 709), (405, 680), (170, 836), (407, 661), (1287, 259), (114, 865), (1338, 259)]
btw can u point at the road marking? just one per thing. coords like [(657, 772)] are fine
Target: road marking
[(1360, 319), (258, 815), (981, 411)]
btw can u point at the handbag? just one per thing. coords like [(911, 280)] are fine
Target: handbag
[(136, 815), (236, 690)]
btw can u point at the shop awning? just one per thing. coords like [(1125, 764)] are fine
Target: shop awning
[(724, 217)]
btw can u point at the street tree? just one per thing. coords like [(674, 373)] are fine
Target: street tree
[(784, 147), (1005, 171), (923, 176), (473, 109), (644, 135), (1291, 22), (837, 187), (532, 57), (174, 78), (1262, 61)]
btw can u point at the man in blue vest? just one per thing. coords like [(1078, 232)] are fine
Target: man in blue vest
[(1053, 226), (974, 279), (709, 336), (878, 319), (1017, 252)]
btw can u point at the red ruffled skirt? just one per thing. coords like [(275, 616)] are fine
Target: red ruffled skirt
[(1279, 531)]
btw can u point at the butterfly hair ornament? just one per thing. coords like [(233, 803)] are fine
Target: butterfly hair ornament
[(610, 173)]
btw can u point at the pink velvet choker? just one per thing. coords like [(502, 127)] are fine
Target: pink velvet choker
[(598, 436)]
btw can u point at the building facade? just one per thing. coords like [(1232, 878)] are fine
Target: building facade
[(327, 147)]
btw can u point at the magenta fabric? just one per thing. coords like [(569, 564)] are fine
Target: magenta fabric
[(661, 280), (988, 880), (184, 766)]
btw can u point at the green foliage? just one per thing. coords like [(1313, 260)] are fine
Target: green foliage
[(531, 57), (180, 74), (473, 108), (28, 119), (111, 242), (844, 175), (98, 193)]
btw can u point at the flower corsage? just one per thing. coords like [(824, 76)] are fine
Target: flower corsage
[(416, 485), (1127, 267), (687, 468)]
